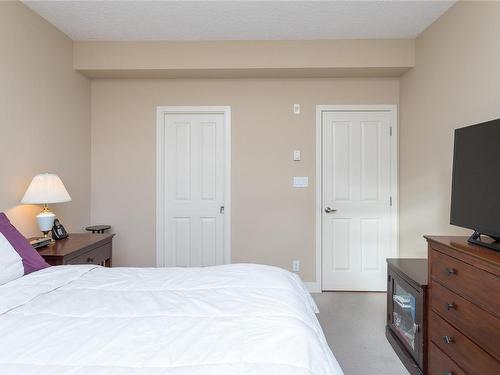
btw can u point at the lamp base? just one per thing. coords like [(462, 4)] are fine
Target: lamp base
[(45, 221)]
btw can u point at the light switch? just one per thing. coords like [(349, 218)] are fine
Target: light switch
[(300, 182), (296, 109), (296, 155)]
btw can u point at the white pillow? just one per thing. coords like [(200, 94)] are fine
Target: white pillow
[(11, 263)]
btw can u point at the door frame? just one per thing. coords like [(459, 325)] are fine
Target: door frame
[(161, 111), (317, 286)]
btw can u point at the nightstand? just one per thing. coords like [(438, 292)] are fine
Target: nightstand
[(80, 248)]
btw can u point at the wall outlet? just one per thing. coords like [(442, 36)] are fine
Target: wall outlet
[(296, 109), (296, 266)]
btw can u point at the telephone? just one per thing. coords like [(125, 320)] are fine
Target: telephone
[(58, 231)]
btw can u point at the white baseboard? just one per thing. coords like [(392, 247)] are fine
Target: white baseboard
[(313, 286)]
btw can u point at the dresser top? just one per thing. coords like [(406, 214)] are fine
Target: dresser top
[(460, 244)]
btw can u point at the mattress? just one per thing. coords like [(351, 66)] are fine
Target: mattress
[(230, 319)]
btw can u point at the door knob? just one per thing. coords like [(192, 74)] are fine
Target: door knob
[(329, 210)]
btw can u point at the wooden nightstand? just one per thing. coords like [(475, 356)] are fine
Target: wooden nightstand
[(80, 248)]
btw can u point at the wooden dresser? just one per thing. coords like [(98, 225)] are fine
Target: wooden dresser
[(464, 308)]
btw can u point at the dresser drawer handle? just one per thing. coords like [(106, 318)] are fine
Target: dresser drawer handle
[(448, 373), (90, 260), (448, 339), (450, 306), (451, 271)]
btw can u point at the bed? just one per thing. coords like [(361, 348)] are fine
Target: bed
[(231, 319)]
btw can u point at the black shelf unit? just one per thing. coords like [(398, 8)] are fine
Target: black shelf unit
[(407, 312)]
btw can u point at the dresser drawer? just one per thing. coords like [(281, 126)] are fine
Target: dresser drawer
[(441, 364), (479, 325), (481, 287), (469, 356), (94, 256)]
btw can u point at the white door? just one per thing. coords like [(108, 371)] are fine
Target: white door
[(357, 217), (194, 173)]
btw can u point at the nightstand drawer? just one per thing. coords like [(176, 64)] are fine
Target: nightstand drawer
[(483, 288), (479, 325), (96, 256), (469, 356)]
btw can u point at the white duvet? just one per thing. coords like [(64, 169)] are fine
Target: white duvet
[(232, 319)]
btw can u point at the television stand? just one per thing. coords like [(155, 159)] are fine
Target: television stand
[(489, 242), (406, 328)]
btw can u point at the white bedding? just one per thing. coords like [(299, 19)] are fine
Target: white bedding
[(232, 319)]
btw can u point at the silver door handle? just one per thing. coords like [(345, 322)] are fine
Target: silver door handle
[(329, 210)]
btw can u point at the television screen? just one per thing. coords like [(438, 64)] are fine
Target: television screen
[(475, 196)]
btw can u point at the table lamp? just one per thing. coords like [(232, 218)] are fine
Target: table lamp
[(46, 188)]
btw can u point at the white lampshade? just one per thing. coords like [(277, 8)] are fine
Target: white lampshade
[(46, 188)]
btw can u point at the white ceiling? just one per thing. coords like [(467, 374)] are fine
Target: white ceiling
[(239, 20)]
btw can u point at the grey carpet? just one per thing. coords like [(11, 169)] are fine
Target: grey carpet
[(354, 326)]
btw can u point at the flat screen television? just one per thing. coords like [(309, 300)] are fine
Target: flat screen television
[(475, 195)]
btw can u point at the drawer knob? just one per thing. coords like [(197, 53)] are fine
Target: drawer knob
[(448, 373), (450, 306), (90, 260), (448, 340), (451, 271)]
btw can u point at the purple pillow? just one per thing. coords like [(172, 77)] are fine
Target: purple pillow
[(32, 261)]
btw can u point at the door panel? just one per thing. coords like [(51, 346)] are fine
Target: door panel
[(181, 241), (341, 168), (356, 177), (208, 160), (194, 189), (182, 171), (370, 160), (341, 244), (370, 249)]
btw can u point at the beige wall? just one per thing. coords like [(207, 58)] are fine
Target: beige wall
[(272, 223), (44, 117), (45, 102), (243, 59), (456, 82)]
